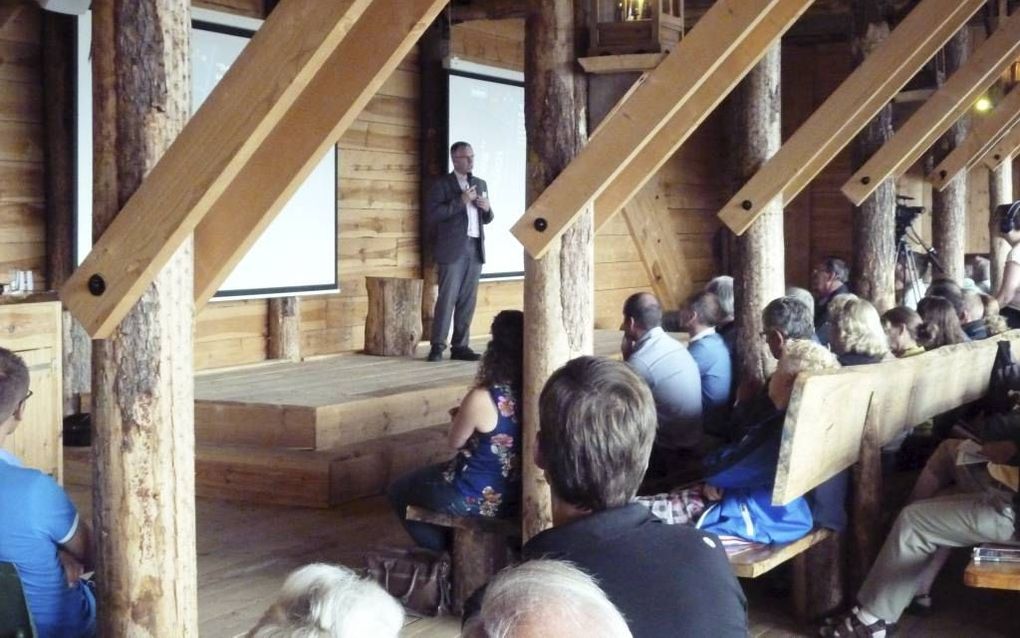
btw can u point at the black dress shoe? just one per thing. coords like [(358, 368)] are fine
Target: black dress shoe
[(464, 354), (436, 353)]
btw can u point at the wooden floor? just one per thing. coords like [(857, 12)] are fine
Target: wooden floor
[(246, 551)]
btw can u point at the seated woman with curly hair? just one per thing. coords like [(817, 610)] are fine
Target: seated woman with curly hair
[(484, 478)]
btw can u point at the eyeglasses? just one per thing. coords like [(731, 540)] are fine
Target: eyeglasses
[(27, 396)]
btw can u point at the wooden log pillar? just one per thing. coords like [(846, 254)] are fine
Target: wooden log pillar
[(874, 220), (393, 323), (949, 206), (558, 289), (1000, 191), (759, 277), (58, 104), (285, 328), (433, 145), (143, 386)]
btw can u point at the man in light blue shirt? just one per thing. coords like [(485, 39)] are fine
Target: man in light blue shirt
[(40, 532), (668, 369), (702, 313)]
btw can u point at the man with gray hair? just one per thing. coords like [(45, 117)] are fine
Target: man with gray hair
[(828, 280), (668, 369), (545, 598), (722, 287), (786, 319), (803, 295), (597, 423)]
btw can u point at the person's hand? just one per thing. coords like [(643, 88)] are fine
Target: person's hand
[(999, 451), (712, 493), (73, 569), (626, 347), (482, 202), (468, 196)]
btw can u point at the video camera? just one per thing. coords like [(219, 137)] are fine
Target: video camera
[(905, 216)]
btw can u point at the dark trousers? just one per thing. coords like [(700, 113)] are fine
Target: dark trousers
[(458, 292), (426, 488)]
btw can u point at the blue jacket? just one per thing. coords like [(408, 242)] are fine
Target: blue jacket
[(746, 471)]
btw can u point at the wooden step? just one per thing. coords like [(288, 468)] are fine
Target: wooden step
[(304, 478)]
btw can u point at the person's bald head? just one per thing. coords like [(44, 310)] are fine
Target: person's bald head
[(644, 309)]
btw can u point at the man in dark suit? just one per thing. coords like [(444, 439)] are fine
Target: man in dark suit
[(456, 211)]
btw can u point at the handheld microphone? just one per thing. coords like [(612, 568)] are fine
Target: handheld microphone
[(470, 179)]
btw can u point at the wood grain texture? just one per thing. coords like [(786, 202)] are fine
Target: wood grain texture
[(861, 95)]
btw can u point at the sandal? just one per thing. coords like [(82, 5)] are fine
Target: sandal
[(850, 626)]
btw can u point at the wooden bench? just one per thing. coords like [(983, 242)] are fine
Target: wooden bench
[(993, 575), (838, 419), (481, 547)]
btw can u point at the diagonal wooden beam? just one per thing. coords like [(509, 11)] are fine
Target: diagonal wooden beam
[(333, 99), (984, 135), (1004, 150), (850, 107), (689, 117), (937, 114), (660, 249), (257, 91), (653, 101)]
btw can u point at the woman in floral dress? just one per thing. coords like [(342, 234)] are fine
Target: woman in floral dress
[(484, 478)]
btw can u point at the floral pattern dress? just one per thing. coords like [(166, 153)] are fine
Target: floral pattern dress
[(487, 469)]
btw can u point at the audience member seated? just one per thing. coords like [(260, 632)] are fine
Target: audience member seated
[(950, 291), (722, 287), (701, 315), (803, 295), (597, 423), (901, 324), (784, 320), (941, 324), (915, 549), (672, 374), (483, 479), (735, 500), (973, 319), (542, 598), (41, 533), (327, 601), (857, 334), (828, 280), (978, 269), (995, 321)]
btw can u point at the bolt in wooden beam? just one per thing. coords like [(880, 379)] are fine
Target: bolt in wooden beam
[(1004, 150), (939, 112), (260, 87), (985, 133), (850, 107), (328, 106), (689, 117), (656, 97)]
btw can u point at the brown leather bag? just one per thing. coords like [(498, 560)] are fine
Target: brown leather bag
[(418, 578)]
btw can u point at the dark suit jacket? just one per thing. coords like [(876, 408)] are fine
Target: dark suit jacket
[(447, 220)]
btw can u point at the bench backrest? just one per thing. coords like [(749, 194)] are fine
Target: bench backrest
[(828, 410)]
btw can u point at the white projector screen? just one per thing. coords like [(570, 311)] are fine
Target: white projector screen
[(487, 111), (297, 253)]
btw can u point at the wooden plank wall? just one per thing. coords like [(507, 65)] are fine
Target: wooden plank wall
[(22, 215)]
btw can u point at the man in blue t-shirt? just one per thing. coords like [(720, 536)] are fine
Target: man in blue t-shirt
[(701, 314), (41, 533)]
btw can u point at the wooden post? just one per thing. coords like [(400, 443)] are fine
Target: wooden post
[(433, 146), (760, 275), (58, 79), (393, 323), (558, 288), (874, 219), (1000, 191), (285, 328), (949, 206), (143, 387)]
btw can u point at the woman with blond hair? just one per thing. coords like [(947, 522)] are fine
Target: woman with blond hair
[(941, 324), (856, 332)]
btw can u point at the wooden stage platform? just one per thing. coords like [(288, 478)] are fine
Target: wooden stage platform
[(325, 431)]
